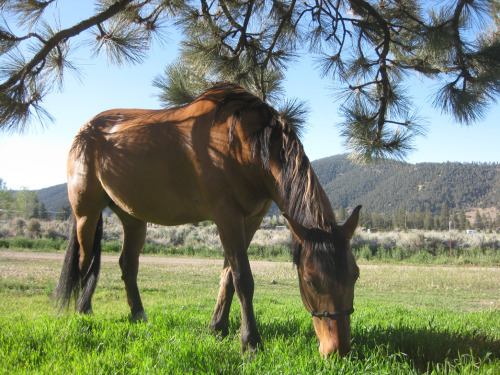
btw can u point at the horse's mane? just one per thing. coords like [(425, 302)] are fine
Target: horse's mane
[(298, 185)]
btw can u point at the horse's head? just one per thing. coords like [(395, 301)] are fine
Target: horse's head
[(327, 273)]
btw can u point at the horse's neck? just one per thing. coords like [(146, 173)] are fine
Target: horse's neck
[(309, 203)]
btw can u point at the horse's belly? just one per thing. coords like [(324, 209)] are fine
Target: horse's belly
[(165, 206), (159, 192)]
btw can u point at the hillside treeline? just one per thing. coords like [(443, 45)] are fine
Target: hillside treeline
[(26, 204), (388, 187), (402, 219)]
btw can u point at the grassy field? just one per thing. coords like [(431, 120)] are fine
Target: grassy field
[(409, 319)]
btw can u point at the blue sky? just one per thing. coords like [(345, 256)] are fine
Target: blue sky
[(37, 158)]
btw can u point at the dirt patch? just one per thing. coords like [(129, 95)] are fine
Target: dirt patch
[(425, 267), (258, 264), (107, 258), (22, 255), (484, 304)]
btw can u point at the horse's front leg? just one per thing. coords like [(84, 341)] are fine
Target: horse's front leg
[(230, 223), (244, 285)]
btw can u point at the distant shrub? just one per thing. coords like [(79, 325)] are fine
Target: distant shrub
[(21, 243), (152, 248), (269, 252), (48, 244), (33, 228), (383, 253), (417, 242), (20, 224), (203, 240), (423, 256), (441, 249), (365, 252), (111, 246), (400, 254), (53, 234), (210, 252)]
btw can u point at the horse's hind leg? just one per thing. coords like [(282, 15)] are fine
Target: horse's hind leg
[(89, 232), (88, 199), (88, 205), (220, 319), (134, 235)]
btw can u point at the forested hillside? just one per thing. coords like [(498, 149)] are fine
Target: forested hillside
[(54, 197), (385, 187)]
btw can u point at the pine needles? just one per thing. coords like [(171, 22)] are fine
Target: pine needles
[(367, 49)]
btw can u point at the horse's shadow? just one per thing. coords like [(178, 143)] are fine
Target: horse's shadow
[(423, 347)]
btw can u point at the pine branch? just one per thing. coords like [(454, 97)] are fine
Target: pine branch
[(20, 95), (121, 42), (295, 113), (179, 85), (368, 46), (476, 81), (457, 41), (284, 20), (225, 45), (61, 36), (29, 11)]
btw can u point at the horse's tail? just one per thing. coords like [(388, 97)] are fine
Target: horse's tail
[(68, 286)]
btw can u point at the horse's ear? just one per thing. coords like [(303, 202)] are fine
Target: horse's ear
[(298, 230), (351, 223)]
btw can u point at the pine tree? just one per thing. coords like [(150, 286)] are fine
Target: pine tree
[(369, 48), (399, 219), (497, 222), (462, 220), (468, 224), (478, 221), (454, 219), (43, 213), (64, 213), (342, 214), (444, 217), (418, 221), (487, 222), (428, 218), (365, 219)]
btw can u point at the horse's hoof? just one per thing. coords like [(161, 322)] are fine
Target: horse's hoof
[(86, 311), (219, 330), (139, 317), (252, 347)]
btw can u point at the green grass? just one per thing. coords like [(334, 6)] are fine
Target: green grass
[(408, 319)]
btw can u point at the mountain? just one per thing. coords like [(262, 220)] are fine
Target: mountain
[(54, 197), (387, 186), (384, 187)]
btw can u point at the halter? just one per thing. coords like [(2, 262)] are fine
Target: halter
[(324, 314)]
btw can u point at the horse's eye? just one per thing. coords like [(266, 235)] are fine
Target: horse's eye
[(310, 285)]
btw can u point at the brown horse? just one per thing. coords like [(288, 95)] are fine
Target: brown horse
[(225, 157)]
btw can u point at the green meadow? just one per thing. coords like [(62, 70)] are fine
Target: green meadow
[(409, 319)]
